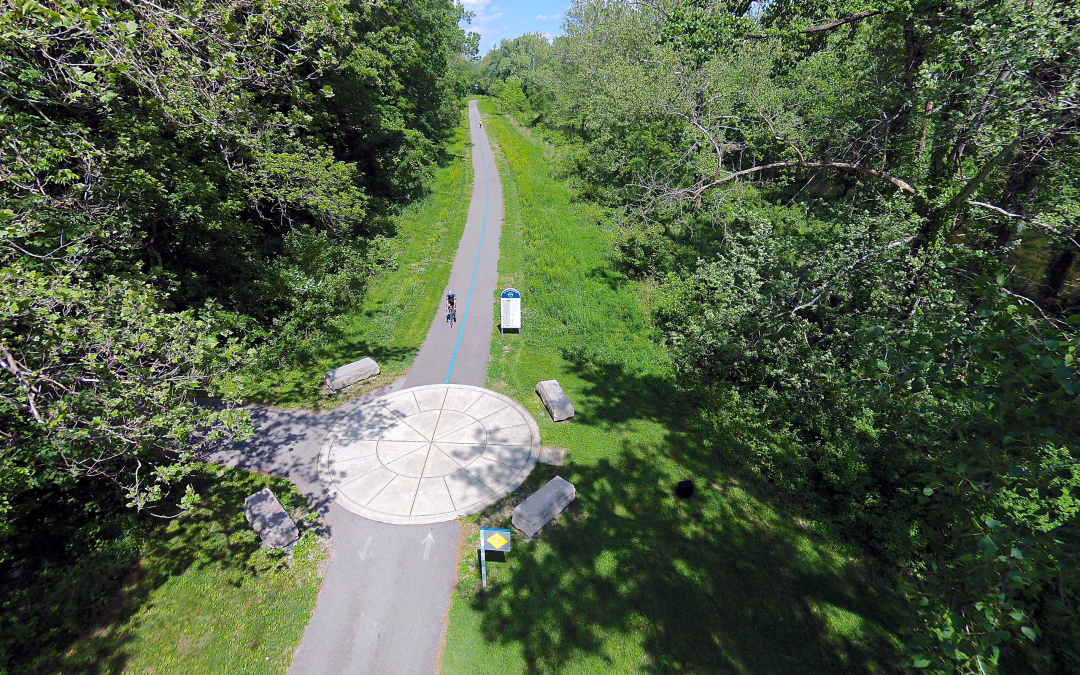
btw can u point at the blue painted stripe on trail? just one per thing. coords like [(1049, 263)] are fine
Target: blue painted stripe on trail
[(483, 224)]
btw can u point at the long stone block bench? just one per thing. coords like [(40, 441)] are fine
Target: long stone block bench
[(558, 405), (339, 378), (269, 519), (531, 515)]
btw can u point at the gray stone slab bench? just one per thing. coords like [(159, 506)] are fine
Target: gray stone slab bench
[(339, 378), (558, 405), (269, 519), (531, 515)]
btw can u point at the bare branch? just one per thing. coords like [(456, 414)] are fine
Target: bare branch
[(847, 270), (12, 366), (1056, 323), (1020, 216), (975, 182), (903, 185), (857, 16), (998, 209), (712, 140), (794, 147)]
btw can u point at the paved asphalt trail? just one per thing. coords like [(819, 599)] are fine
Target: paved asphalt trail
[(473, 278), (387, 591)]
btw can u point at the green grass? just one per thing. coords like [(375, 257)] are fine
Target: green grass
[(392, 322), (205, 598), (630, 579)]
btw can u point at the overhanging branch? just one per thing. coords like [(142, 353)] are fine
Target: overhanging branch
[(847, 270), (903, 185), (857, 16), (998, 209)]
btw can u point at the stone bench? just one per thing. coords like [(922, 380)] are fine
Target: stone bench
[(531, 515), (339, 378), (269, 519), (558, 405)]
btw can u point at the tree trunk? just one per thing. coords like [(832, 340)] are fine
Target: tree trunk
[(1056, 274)]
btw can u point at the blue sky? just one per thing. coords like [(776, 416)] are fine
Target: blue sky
[(507, 19)]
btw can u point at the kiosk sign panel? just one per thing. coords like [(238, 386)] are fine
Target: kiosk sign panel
[(511, 310)]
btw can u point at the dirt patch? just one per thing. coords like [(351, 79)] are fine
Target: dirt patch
[(549, 454)]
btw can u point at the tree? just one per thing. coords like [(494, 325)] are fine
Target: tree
[(184, 187), (862, 219)]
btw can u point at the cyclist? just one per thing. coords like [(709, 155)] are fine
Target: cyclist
[(451, 306)]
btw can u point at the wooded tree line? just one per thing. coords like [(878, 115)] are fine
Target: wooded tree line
[(864, 219), (187, 187)]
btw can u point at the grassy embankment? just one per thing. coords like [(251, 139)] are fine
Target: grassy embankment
[(391, 323), (632, 580)]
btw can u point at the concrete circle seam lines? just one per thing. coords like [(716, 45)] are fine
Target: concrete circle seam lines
[(429, 454)]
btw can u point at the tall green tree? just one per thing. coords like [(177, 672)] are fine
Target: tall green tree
[(181, 185), (518, 73), (864, 221)]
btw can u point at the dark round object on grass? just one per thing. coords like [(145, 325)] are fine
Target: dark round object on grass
[(684, 489)]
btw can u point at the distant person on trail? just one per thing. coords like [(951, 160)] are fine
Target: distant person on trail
[(451, 307)]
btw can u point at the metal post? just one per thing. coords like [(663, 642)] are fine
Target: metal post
[(483, 560)]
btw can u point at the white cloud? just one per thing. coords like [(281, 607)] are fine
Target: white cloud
[(552, 17), (484, 14)]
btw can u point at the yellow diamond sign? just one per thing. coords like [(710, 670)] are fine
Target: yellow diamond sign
[(495, 539)]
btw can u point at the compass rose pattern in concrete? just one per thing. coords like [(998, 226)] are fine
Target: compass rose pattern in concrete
[(429, 454)]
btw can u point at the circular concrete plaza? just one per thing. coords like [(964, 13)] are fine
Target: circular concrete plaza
[(429, 454)]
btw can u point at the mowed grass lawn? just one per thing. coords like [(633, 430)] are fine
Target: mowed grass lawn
[(630, 579), (204, 597), (391, 323)]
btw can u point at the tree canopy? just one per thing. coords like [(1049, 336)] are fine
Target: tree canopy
[(186, 187), (863, 220)]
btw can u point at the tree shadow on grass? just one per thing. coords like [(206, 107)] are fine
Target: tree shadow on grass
[(614, 395), (301, 382), (446, 156), (614, 280), (719, 583), (215, 533), (707, 585)]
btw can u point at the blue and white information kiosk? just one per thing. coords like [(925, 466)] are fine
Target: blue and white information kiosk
[(511, 310)]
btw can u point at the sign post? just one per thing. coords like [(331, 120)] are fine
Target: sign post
[(491, 539), (511, 310)]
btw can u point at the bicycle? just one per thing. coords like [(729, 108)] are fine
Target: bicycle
[(451, 307)]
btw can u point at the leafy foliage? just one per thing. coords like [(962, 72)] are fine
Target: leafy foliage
[(155, 590), (863, 224), (187, 190)]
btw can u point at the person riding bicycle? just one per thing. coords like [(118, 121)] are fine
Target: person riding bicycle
[(451, 304)]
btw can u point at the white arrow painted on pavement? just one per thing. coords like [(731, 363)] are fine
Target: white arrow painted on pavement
[(364, 553), (427, 545)]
